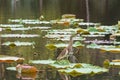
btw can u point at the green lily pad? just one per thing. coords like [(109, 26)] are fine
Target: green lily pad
[(18, 43), (92, 29), (65, 64), (62, 62), (11, 68), (11, 25), (114, 64), (78, 44), (93, 45), (20, 35), (83, 71), (50, 46), (41, 61)]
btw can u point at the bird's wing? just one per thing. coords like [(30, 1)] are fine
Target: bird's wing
[(62, 54)]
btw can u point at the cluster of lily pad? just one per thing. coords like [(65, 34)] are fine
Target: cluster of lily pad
[(75, 27), (73, 69)]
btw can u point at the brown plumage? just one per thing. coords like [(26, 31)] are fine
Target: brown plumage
[(65, 52)]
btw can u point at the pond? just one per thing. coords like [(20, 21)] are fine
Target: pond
[(23, 35)]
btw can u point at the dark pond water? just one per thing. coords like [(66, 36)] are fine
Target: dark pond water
[(106, 12)]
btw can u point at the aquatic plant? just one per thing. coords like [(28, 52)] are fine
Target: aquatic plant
[(50, 46), (25, 68)]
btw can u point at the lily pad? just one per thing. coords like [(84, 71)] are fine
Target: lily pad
[(78, 44), (93, 45), (115, 64), (62, 64), (50, 46), (41, 61), (11, 68), (20, 35), (18, 43), (92, 29), (11, 25), (83, 71)]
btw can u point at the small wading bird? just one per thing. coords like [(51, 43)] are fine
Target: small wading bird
[(67, 51)]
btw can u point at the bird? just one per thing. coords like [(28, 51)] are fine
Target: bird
[(67, 50)]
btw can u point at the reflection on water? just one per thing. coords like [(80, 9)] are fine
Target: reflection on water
[(53, 9)]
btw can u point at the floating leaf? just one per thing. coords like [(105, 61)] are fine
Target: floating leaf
[(62, 62), (25, 76), (50, 46), (41, 61), (20, 35), (115, 64), (78, 44), (12, 45), (85, 32), (92, 29), (106, 63), (83, 71), (93, 45), (18, 43)]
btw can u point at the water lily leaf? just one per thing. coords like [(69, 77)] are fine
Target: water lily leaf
[(41, 61), (62, 62), (11, 68), (83, 71), (11, 25), (12, 45), (30, 76), (106, 63), (50, 46), (18, 43), (114, 64), (85, 32), (80, 30), (92, 45), (8, 29), (20, 35), (78, 44), (92, 29)]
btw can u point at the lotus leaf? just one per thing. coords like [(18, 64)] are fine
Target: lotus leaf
[(12, 45), (17, 43), (85, 32), (8, 29), (93, 45), (83, 71), (115, 64), (92, 29), (25, 76), (10, 25), (11, 68), (50, 46), (116, 60), (106, 63), (41, 61), (80, 30), (62, 62), (77, 44), (65, 64), (20, 35), (101, 30), (61, 45)]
